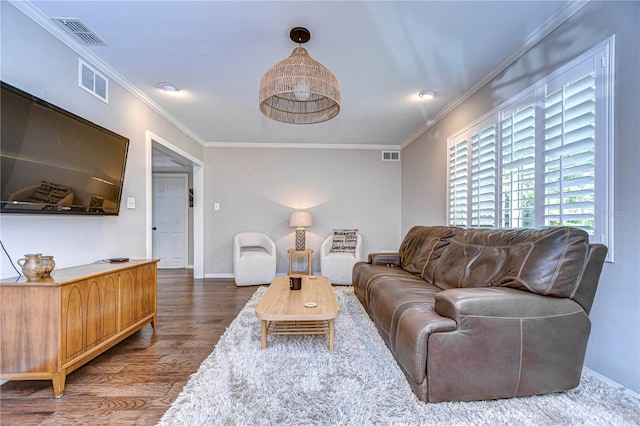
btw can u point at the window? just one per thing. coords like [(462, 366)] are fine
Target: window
[(472, 183), (458, 183), (518, 167), (542, 158)]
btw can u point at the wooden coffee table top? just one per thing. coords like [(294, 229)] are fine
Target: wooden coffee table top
[(282, 304)]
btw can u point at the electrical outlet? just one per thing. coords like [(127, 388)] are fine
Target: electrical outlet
[(216, 206), (131, 203)]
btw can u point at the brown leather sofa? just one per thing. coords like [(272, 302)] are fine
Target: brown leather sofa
[(474, 314)]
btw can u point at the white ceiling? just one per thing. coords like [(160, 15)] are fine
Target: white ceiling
[(382, 52)]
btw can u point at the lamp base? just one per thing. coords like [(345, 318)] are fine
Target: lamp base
[(300, 237)]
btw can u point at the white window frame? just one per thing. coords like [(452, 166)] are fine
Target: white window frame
[(604, 143)]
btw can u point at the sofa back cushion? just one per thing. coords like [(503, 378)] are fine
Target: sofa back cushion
[(422, 247), (547, 261)]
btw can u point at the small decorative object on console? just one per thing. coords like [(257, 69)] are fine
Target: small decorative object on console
[(49, 264), (32, 266)]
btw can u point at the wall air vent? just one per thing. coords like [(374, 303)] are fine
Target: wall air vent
[(390, 155), (92, 81), (80, 31)]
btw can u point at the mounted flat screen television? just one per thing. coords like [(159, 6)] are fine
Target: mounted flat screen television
[(54, 162)]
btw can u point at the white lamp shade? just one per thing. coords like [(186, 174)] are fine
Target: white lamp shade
[(298, 219)]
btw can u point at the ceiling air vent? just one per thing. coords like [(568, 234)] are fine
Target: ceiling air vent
[(80, 31), (390, 155)]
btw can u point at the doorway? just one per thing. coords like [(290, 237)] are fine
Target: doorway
[(170, 220), (164, 157)]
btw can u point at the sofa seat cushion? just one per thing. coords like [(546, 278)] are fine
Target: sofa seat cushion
[(402, 306), (365, 275), (388, 297), (545, 261)]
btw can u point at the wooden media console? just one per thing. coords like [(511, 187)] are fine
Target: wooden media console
[(51, 326)]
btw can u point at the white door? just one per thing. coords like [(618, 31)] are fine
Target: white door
[(170, 227)]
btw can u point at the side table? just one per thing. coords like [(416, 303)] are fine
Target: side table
[(306, 255)]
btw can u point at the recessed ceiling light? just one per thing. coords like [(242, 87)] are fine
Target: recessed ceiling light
[(427, 94), (168, 87)]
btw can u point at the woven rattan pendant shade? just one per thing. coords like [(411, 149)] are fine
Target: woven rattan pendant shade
[(299, 90)]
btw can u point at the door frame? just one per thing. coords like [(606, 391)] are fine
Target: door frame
[(184, 177), (198, 199)]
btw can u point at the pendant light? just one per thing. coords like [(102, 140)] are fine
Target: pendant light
[(299, 89)]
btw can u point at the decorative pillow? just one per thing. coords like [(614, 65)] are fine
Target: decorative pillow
[(344, 241)]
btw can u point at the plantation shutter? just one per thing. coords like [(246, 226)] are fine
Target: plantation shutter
[(569, 149), (544, 158), (458, 182), (518, 158), (483, 178)]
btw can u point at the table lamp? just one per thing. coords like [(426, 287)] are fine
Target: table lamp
[(300, 220)]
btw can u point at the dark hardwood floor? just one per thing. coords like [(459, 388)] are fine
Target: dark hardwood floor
[(136, 381)]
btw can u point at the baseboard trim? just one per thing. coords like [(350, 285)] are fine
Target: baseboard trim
[(231, 275), (611, 382), (219, 275)]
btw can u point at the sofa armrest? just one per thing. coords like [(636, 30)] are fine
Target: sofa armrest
[(507, 343), (388, 258), (501, 302)]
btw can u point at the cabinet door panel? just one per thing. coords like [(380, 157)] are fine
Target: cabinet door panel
[(150, 288), (139, 294), (94, 314), (72, 321), (110, 308), (127, 295)]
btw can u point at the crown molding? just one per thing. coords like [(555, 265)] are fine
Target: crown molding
[(552, 23), (45, 22), (300, 146)]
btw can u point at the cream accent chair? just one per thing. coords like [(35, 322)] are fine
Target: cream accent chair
[(254, 259), (338, 267)]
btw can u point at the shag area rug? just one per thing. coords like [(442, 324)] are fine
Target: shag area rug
[(298, 381)]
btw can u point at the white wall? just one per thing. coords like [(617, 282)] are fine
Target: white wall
[(35, 61), (614, 344), (258, 188)]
